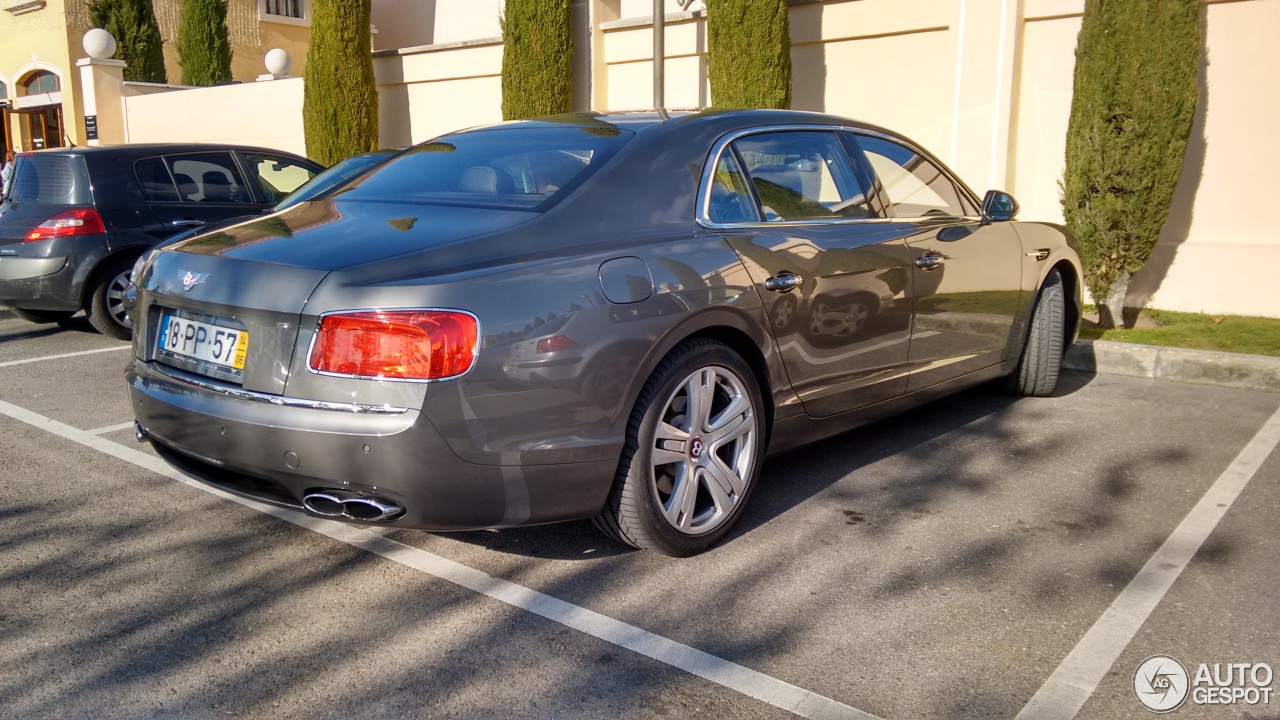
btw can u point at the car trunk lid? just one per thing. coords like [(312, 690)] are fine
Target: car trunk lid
[(264, 300)]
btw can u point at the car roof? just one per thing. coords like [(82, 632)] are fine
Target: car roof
[(154, 149), (727, 119)]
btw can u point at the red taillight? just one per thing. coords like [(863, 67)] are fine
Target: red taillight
[(554, 343), (71, 222), (401, 344)]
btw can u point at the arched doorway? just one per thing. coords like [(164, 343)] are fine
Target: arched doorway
[(38, 107)]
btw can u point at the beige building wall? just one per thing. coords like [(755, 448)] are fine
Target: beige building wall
[(986, 86), (414, 23), (36, 41), (427, 91), (264, 114)]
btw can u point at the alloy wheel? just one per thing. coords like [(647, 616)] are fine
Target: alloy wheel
[(704, 450)]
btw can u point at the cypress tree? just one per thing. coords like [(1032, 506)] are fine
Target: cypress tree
[(537, 58), (204, 51), (133, 24), (1131, 114), (749, 53), (340, 102)]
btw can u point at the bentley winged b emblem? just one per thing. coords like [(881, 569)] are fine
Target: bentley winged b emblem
[(191, 279)]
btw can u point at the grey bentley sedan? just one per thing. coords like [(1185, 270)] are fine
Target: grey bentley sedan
[(612, 317)]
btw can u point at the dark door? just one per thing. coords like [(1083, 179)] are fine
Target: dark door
[(833, 277), (967, 275), (192, 189)]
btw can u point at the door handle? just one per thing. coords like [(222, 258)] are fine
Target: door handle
[(929, 262), (783, 282), (187, 223)]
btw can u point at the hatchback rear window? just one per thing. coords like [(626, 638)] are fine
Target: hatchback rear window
[(522, 168), (50, 179)]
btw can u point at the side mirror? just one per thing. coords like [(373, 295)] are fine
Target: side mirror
[(998, 206)]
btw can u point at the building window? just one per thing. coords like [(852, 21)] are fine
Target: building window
[(41, 82), (284, 8)]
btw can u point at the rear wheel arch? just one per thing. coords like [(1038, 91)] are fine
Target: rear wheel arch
[(131, 254), (730, 327)]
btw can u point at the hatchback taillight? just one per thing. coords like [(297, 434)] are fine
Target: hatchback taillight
[(396, 344), (72, 222)]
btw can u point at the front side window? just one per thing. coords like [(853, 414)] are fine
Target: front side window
[(208, 178), (516, 168), (802, 175), (277, 176), (915, 186)]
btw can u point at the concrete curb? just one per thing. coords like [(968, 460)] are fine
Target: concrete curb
[(1204, 367)]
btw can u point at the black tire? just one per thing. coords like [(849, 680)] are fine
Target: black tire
[(43, 317), (106, 300), (726, 448), (1041, 361)]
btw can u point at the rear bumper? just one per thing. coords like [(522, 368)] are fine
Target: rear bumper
[(276, 453), (38, 284), (50, 274)]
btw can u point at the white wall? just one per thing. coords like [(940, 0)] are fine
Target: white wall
[(262, 114)]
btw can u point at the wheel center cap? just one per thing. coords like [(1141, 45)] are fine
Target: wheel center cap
[(695, 448)]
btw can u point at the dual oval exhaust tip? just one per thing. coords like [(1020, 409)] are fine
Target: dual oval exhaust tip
[(340, 504)]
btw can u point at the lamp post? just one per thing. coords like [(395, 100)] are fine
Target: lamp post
[(660, 53)]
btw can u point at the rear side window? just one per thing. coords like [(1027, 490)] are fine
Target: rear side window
[(519, 168), (50, 179), (157, 184), (802, 175), (208, 178)]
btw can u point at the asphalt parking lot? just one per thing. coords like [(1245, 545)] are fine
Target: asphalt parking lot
[(942, 564)]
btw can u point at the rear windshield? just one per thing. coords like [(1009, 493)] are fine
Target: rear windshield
[(521, 168), (50, 179)]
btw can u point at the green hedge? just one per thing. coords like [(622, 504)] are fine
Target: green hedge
[(537, 58), (133, 24), (340, 103), (749, 53), (204, 52), (1131, 115)]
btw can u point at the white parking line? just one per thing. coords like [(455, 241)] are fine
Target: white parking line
[(110, 428), (1075, 680), (64, 355), (736, 677)]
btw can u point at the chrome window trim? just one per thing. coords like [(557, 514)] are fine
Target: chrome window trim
[(475, 350), (722, 144), (242, 394)]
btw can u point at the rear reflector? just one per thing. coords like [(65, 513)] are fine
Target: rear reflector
[(72, 222), (396, 344)]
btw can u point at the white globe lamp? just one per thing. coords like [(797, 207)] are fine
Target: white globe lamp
[(278, 62), (99, 44)]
